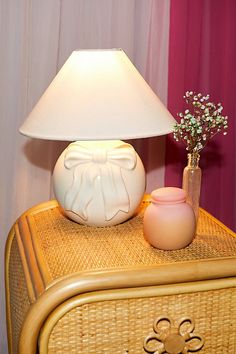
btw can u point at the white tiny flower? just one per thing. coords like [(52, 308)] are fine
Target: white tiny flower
[(206, 118)]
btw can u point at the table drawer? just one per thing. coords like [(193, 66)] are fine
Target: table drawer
[(118, 321)]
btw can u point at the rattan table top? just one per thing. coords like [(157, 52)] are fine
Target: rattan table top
[(66, 247)]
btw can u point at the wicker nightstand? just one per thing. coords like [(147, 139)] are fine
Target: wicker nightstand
[(76, 289)]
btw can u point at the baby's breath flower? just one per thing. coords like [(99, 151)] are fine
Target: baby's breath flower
[(200, 122)]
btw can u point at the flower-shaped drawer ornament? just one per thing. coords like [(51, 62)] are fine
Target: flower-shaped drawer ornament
[(173, 337)]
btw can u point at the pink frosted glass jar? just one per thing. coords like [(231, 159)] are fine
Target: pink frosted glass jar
[(169, 222)]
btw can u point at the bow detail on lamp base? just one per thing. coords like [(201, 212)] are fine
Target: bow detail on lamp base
[(99, 183)]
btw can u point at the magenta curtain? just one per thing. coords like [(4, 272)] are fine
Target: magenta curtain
[(202, 58)]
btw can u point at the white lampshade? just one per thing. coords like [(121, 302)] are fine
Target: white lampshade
[(98, 95), (96, 99)]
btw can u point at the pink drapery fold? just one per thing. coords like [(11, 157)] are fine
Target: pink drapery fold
[(202, 57)]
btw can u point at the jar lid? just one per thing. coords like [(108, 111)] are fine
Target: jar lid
[(168, 195)]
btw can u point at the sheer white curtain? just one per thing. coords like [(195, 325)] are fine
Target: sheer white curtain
[(36, 37)]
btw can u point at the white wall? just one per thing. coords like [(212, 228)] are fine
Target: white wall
[(36, 37)]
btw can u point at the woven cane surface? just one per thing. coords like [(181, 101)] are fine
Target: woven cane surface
[(120, 326), (19, 300), (68, 247)]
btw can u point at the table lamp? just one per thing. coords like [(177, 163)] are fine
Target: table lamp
[(97, 98)]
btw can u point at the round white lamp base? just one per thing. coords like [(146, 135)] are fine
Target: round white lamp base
[(99, 183)]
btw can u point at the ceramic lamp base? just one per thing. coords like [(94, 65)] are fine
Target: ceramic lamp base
[(99, 183)]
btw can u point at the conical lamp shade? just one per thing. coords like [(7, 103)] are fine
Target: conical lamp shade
[(98, 95)]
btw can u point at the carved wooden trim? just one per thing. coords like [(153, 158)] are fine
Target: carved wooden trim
[(173, 337)]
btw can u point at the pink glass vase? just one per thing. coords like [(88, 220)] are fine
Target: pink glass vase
[(192, 175)]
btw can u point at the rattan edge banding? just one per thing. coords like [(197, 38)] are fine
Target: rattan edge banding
[(34, 269), (120, 294), (168, 273), (50, 204), (43, 270), (29, 284), (29, 257), (216, 221), (7, 288), (96, 281)]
